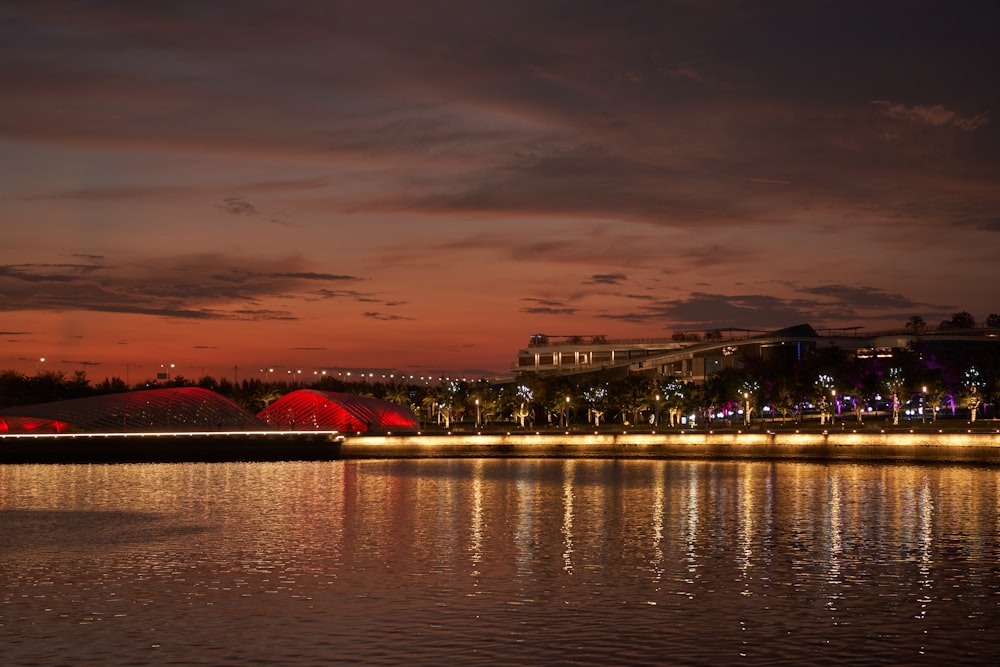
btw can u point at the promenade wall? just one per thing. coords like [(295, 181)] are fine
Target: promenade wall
[(981, 448), (890, 446)]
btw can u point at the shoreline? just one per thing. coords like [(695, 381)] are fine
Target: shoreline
[(957, 444)]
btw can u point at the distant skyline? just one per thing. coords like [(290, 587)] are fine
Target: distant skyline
[(421, 186)]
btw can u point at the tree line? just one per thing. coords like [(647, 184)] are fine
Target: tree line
[(923, 381)]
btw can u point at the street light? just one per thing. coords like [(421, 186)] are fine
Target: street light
[(477, 413), (746, 412), (41, 360), (923, 402)]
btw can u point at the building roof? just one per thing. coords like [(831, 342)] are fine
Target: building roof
[(313, 410)]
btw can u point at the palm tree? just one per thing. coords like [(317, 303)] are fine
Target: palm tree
[(972, 391), (895, 384)]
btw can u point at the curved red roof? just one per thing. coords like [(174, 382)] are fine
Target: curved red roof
[(313, 410), (31, 425), (172, 409)]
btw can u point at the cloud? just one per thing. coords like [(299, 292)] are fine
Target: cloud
[(935, 116), (982, 224), (374, 315), (209, 286), (237, 206), (861, 297), (241, 207), (812, 304), (548, 307), (606, 279), (307, 275)]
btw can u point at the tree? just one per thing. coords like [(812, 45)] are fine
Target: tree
[(823, 393), (632, 394), (673, 393), (916, 324), (596, 398), (963, 320), (935, 392), (751, 395), (895, 384), (972, 394), (993, 321), (523, 400), (780, 395)]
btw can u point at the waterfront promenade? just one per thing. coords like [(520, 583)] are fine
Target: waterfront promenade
[(946, 442)]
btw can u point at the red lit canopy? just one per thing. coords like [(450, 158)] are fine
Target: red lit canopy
[(312, 410), (162, 410)]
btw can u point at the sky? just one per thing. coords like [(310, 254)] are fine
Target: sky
[(420, 186)]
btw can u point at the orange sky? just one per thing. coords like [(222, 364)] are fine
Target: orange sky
[(422, 186)]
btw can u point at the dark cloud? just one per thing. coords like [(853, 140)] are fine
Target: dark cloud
[(374, 315), (816, 305), (936, 115), (81, 363), (543, 310), (317, 276), (45, 273), (548, 307), (862, 297), (237, 206), (983, 224), (606, 279), (323, 294), (199, 287)]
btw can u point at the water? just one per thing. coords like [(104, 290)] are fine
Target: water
[(493, 562)]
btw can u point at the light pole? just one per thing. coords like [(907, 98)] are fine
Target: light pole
[(41, 360), (566, 413), (746, 411), (923, 402), (833, 413), (477, 413)]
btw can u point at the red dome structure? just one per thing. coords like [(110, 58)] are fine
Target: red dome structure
[(159, 410), (31, 425), (313, 410)]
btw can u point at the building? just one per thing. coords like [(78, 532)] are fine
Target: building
[(693, 357)]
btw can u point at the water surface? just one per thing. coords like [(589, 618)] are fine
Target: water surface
[(588, 562)]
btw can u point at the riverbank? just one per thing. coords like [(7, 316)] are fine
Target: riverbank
[(957, 443), (822, 445)]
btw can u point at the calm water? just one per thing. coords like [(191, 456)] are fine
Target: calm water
[(499, 562)]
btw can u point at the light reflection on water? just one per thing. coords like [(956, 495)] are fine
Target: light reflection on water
[(499, 562)]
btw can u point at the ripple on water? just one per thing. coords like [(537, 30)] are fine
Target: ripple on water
[(499, 562)]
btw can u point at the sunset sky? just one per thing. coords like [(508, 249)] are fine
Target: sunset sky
[(422, 185)]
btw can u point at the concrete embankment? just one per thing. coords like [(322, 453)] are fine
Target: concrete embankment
[(980, 448), (932, 447)]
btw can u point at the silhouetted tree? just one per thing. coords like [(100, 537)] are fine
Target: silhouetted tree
[(916, 324), (963, 320)]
